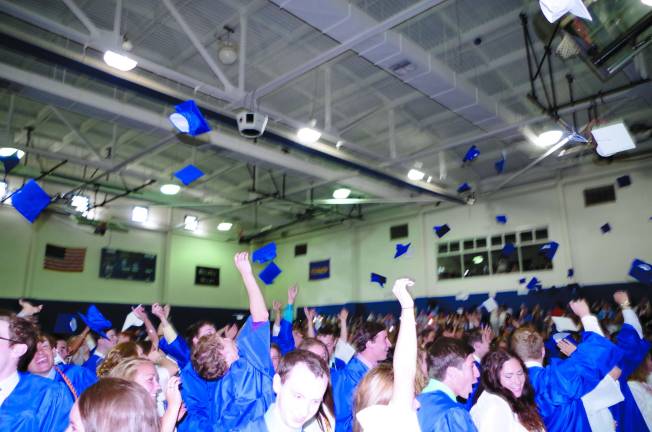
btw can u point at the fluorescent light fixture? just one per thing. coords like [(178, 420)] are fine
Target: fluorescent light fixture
[(140, 214), (478, 259), (190, 223), (415, 174), (119, 61), (80, 203), (4, 187), (647, 2), (549, 138), (341, 193), (612, 139), (8, 151), (170, 189), (308, 135), (224, 226)]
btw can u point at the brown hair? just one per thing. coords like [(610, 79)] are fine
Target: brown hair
[(193, 330), (375, 388), (309, 342), (115, 356), (527, 343), (207, 359), (21, 331), (446, 352), (114, 404), (524, 406), (366, 332)]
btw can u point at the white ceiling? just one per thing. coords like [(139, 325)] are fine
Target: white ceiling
[(52, 79)]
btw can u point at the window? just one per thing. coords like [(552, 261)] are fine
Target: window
[(483, 256), (599, 195)]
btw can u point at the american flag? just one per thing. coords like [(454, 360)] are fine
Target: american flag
[(64, 259)]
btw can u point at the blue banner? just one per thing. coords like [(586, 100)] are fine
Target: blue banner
[(320, 270)]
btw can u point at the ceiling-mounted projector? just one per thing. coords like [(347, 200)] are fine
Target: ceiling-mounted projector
[(251, 124)]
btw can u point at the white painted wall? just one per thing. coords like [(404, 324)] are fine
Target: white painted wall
[(365, 247)]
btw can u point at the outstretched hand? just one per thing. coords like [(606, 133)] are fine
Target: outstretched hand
[(566, 347), (161, 312), (28, 309), (343, 315), (401, 293), (140, 312), (621, 298), (243, 264), (292, 293), (580, 308), (276, 305)]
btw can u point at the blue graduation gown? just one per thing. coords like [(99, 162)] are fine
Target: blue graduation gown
[(93, 362), (559, 386), (80, 377), (285, 339), (471, 400), (345, 382), (440, 413), (245, 391), (178, 349), (257, 425), (36, 404), (626, 413), (197, 394)]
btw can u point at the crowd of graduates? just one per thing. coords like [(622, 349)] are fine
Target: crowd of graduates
[(498, 370)]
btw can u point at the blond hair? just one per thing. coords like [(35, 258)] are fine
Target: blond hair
[(128, 368)]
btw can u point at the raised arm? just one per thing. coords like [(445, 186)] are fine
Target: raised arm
[(141, 314), (257, 305), (344, 330), (162, 313), (310, 317), (405, 354)]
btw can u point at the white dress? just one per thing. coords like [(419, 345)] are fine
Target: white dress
[(491, 413)]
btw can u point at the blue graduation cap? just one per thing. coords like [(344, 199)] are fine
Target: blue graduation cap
[(401, 249), (30, 200), (500, 165), (501, 219), (641, 271), (605, 228), (10, 161), (624, 181), (188, 174), (66, 323), (96, 321), (508, 249), (379, 279), (549, 249), (534, 284), (571, 272), (188, 119), (269, 273), (265, 253), (522, 281), (464, 187), (441, 230), (471, 154)]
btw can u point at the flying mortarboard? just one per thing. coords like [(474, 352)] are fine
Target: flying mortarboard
[(508, 249), (379, 279), (549, 249), (464, 187), (605, 228), (534, 284), (501, 219), (65, 324), (265, 253), (30, 200), (131, 321), (441, 230), (401, 249), (490, 304), (522, 281), (555, 9), (96, 321), (571, 273), (624, 181), (188, 174), (563, 324), (188, 119), (471, 154), (500, 165), (269, 273)]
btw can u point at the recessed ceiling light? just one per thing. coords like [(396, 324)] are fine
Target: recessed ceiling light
[(224, 226), (341, 193), (415, 174), (80, 203), (190, 223), (139, 214), (549, 138), (8, 151), (118, 61), (308, 135), (170, 189)]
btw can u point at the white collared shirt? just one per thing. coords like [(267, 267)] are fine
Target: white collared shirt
[(7, 386)]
